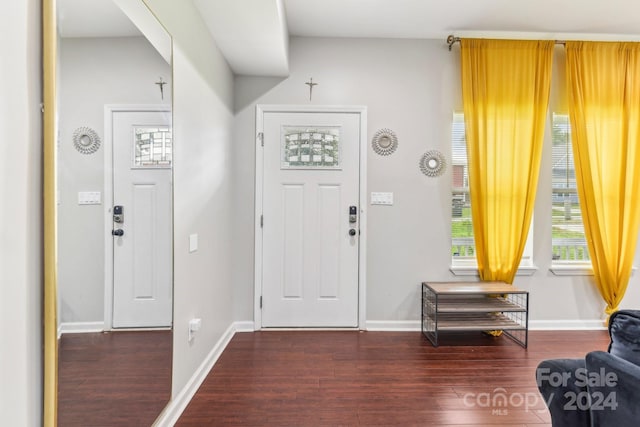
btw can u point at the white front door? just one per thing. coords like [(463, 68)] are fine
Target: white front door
[(142, 240), (310, 238)]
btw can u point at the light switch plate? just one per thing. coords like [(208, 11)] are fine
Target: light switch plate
[(193, 242), (381, 198), (89, 198)]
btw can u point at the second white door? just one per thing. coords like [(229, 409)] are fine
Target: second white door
[(310, 219)]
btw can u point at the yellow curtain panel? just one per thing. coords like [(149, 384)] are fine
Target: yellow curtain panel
[(604, 109), (505, 88)]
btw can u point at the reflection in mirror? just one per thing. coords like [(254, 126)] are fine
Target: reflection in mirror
[(114, 150)]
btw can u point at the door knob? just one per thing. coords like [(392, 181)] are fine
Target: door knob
[(352, 232), (119, 232)]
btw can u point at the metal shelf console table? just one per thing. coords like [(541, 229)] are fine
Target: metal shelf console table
[(474, 306)]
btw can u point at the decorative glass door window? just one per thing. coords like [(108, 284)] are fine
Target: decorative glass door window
[(153, 147), (310, 148)]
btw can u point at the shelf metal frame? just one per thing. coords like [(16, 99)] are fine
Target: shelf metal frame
[(474, 306)]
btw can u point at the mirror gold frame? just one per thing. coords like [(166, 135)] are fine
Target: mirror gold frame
[(49, 48)]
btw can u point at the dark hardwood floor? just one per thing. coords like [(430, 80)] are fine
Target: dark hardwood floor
[(301, 378), (113, 379)]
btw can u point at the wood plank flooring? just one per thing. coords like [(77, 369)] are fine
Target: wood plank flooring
[(314, 378), (113, 379)]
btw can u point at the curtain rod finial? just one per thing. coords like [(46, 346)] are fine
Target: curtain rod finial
[(451, 40)]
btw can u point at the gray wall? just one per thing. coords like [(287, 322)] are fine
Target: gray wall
[(203, 120), (21, 216), (93, 72), (411, 87)]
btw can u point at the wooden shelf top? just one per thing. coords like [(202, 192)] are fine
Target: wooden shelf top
[(472, 288)]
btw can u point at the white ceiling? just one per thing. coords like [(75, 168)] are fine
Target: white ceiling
[(437, 19), (253, 34), (244, 28), (93, 18), (111, 18)]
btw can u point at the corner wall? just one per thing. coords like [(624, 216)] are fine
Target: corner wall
[(21, 215), (411, 87), (202, 120)]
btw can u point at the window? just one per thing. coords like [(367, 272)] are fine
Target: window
[(462, 242), (317, 148), (152, 147), (568, 241)]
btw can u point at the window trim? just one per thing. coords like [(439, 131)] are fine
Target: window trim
[(567, 268), (459, 270)]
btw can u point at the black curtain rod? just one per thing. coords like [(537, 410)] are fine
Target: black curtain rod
[(451, 40)]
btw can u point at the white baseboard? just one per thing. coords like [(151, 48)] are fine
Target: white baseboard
[(245, 326), (393, 325), (534, 325), (80, 327), (567, 325), (171, 413)]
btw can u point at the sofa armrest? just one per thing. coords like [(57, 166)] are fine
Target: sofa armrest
[(614, 388), (624, 330), (558, 381)]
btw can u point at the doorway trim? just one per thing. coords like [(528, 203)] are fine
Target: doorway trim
[(107, 198), (261, 109)]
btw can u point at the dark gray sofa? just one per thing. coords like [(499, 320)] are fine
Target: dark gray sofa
[(603, 389)]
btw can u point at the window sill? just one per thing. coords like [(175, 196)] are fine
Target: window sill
[(571, 270), (458, 270), (576, 270)]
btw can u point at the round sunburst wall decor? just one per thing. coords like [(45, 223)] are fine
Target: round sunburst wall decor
[(384, 142), (433, 163), (86, 140)]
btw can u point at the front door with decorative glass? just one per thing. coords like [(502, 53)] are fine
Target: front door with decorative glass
[(310, 208), (142, 233)]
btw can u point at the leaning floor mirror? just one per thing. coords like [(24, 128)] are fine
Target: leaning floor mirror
[(108, 213)]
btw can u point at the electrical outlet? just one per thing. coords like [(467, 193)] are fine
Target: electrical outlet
[(194, 326)]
